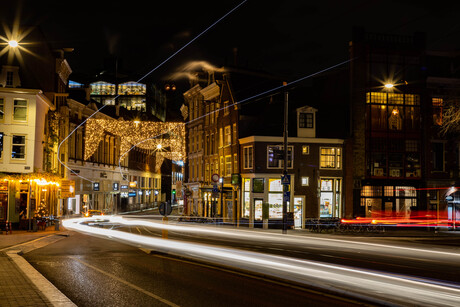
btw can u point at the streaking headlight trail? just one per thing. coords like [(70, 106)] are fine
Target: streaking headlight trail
[(371, 285)]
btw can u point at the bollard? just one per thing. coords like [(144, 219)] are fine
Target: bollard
[(164, 232), (56, 224), (8, 227)]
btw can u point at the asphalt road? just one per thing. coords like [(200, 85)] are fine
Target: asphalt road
[(428, 257), (99, 272)]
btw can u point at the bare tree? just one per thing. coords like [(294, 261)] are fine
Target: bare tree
[(451, 118)]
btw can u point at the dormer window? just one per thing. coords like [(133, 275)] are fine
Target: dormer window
[(9, 78), (305, 120)]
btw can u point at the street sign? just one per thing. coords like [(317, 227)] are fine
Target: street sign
[(165, 209), (67, 188), (286, 179), (286, 196), (215, 177)]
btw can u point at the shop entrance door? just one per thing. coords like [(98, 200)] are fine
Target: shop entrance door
[(3, 206), (298, 211), (258, 209)]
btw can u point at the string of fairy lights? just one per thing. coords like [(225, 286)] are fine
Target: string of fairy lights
[(164, 140)]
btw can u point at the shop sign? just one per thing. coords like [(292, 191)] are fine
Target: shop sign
[(115, 186), (124, 186), (85, 198), (95, 186), (449, 198), (132, 194), (67, 188), (124, 194)]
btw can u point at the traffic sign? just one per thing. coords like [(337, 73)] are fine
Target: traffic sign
[(286, 196), (215, 177), (286, 179), (215, 188), (165, 209)]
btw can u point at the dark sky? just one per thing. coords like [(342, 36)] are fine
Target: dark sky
[(290, 38)]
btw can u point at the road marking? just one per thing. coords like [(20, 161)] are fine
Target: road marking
[(126, 283)]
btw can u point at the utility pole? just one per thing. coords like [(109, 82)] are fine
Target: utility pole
[(285, 134)]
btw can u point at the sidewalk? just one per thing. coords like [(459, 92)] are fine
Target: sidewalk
[(19, 281)]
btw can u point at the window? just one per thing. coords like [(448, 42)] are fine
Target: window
[(438, 156), (1, 145), (306, 120), (437, 111), (102, 88), (9, 78), (258, 185), (222, 166), (221, 138), (275, 156), (305, 181), (331, 157), (226, 108), (247, 156), (235, 163), (228, 165), (235, 135), (228, 135), (18, 150), (20, 110), (2, 108), (305, 150)]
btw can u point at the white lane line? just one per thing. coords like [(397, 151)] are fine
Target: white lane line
[(56, 297), (159, 298)]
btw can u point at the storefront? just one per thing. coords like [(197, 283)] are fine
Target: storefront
[(3, 200), (260, 190), (388, 200), (330, 197)]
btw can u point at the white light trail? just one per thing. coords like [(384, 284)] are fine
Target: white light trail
[(375, 286), (281, 238)]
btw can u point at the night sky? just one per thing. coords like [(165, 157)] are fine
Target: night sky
[(288, 38)]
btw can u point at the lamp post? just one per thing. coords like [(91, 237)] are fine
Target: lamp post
[(222, 197), (285, 134)]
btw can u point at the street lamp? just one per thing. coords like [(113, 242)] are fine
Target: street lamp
[(13, 43), (389, 85)]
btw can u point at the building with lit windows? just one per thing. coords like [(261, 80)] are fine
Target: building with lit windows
[(237, 138), (402, 164), (31, 90), (315, 167)]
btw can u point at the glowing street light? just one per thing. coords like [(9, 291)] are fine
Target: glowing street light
[(389, 85), (13, 43)]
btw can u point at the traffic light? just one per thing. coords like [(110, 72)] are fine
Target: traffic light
[(174, 191)]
